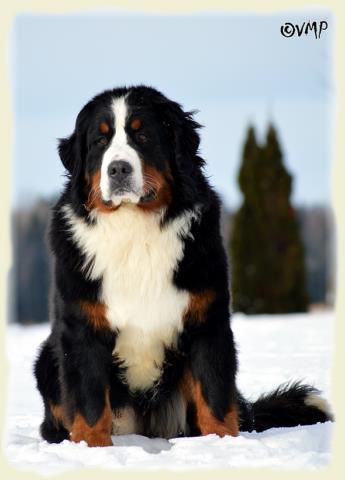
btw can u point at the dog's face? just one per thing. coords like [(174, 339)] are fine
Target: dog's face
[(129, 145)]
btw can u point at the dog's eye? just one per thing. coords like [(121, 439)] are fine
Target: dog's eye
[(102, 141), (142, 138)]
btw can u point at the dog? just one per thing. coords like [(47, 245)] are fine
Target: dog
[(141, 340)]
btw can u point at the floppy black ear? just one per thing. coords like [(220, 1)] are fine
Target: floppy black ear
[(185, 136), (187, 139), (72, 149), (182, 130), (67, 151), (71, 152)]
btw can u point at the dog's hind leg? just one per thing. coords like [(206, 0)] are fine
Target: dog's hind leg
[(46, 372), (52, 428)]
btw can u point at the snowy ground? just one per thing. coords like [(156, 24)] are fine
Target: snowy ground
[(291, 347)]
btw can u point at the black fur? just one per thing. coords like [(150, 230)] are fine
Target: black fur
[(75, 365), (285, 407)]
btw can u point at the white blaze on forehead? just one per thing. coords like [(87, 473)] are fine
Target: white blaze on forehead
[(119, 149)]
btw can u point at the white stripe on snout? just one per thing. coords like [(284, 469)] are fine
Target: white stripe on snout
[(119, 149)]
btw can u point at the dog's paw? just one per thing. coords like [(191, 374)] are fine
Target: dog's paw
[(94, 439)]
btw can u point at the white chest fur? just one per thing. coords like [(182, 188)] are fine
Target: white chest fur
[(136, 258)]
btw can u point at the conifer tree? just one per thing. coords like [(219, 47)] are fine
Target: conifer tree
[(267, 256)]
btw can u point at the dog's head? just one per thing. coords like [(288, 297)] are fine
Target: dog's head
[(132, 145)]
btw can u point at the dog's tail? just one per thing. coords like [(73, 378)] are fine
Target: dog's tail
[(291, 404)]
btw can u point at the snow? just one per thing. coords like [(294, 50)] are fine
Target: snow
[(272, 350)]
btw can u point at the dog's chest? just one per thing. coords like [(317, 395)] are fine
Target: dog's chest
[(135, 259)]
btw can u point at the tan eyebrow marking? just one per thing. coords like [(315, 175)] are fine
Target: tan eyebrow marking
[(136, 124), (104, 127)]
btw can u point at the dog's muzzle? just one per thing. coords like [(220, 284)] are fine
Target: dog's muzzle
[(120, 176)]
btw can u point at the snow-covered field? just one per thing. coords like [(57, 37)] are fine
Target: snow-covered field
[(272, 349)]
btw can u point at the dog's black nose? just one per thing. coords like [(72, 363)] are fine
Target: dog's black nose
[(119, 170)]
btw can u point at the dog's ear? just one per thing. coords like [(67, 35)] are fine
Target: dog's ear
[(73, 149), (186, 138), (183, 131), (67, 151)]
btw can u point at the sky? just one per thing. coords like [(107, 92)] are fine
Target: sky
[(235, 70)]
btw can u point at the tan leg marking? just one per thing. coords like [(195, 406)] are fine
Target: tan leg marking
[(59, 415), (206, 421), (99, 434)]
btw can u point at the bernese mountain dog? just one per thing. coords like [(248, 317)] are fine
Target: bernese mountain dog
[(140, 339)]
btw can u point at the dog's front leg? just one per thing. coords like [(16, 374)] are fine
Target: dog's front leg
[(85, 369), (209, 381)]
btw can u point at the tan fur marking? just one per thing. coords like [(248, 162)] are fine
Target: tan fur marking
[(94, 199), (104, 127), (96, 314), (136, 124), (198, 305), (206, 421), (59, 415), (187, 385), (99, 434), (157, 181)]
